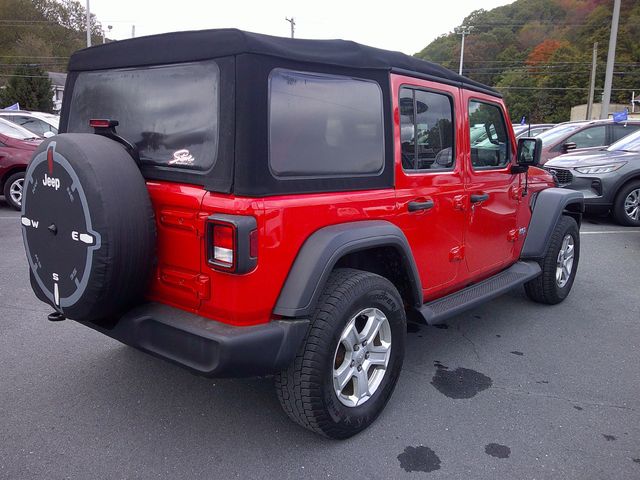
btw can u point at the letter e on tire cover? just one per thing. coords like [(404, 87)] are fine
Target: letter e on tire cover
[(88, 226)]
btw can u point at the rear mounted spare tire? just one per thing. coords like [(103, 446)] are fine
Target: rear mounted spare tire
[(88, 226)]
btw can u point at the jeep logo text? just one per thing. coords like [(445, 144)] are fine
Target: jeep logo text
[(52, 182)]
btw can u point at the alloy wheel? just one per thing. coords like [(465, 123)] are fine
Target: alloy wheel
[(361, 357), (564, 264), (632, 205)]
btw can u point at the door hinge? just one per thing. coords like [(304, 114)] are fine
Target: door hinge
[(456, 254), (516, 193), (460, 203), (196, 284)]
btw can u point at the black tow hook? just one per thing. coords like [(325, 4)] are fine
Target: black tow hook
[(56, 317)]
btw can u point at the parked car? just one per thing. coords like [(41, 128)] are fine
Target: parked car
[(279, 207), (582, 136), (532, 130), (608, 178), (17, 145), (41, 123)]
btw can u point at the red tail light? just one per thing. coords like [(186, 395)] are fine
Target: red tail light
[(102, 123), (224, 245), (232, 243)]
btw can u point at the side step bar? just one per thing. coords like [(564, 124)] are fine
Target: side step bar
[(439, 310)]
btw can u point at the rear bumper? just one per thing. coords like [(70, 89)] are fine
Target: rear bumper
[(205, 346)]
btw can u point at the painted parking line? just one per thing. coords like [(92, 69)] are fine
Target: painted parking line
[(608, 232)]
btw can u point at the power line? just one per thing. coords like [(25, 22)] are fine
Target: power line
[(560, 88)]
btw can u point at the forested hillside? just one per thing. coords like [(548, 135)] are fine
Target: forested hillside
[(538, 53), (43, 32)]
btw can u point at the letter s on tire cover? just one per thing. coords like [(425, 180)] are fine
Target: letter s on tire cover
[(88, 226)]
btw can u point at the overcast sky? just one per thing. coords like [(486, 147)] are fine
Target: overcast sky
[(407, 28)]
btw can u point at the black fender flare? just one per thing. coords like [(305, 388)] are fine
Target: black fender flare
[(322, 250), (547, 208)]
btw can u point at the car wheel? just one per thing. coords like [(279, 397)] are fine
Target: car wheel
[(626, 209), (13, 190), (350, 360), (559, 265)]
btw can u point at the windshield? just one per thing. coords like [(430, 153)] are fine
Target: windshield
[(553, 134), (15, 131), (53, 120), (630, 143), (169, 112)]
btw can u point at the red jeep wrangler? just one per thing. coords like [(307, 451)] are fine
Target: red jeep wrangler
[(241, 204)]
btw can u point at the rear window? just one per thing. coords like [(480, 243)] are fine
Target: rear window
[(169, 112), (324, 125)]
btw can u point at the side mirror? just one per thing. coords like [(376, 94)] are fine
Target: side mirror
[(569, 146), (529, 151), (48, 134)]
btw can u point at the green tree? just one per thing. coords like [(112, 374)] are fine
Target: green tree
[(30, 87)]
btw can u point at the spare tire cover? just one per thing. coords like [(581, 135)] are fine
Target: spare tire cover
[(88, 226)]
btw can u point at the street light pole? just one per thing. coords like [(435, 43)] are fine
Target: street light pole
[(88, 25), (292, 21), (611, 58), (463, 30)]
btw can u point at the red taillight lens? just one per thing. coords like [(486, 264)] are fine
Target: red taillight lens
[(224, 245), (99, 123), (232, 243)]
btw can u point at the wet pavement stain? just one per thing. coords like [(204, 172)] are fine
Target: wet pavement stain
[(477, 317), (636, 460), (515, 352), (577, 407), (419, 459), (442, 326), (609, 438), (497, 450), (542, 381), (498, 336), (459, 383)]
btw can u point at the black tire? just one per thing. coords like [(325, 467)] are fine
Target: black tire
[(88, 227), (306, 389), (546, 288), (11, 182), (619, 212)]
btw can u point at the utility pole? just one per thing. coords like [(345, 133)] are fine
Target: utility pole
[(292, 21), (88, 25), (592, 84), (463, 30), (133, 31), (611, 58)]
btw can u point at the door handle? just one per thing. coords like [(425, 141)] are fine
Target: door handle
[(480, 197), (415, 206)]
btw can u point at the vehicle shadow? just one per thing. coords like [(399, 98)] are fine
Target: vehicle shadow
[(135, 387)]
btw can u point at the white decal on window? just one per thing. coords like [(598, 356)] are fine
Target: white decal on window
[(182, 157)]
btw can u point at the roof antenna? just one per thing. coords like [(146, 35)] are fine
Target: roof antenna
[(292, 21)]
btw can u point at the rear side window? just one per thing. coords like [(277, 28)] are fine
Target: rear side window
[(621, 130), (426, 130), (324, 125), (169, 112), (589, 137), (490, 144)]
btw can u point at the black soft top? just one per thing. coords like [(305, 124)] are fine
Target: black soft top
[(207, 44)]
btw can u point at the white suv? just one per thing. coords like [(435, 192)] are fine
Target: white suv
[(40, 123)]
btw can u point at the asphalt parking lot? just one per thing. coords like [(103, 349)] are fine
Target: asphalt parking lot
[(511, 390)]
